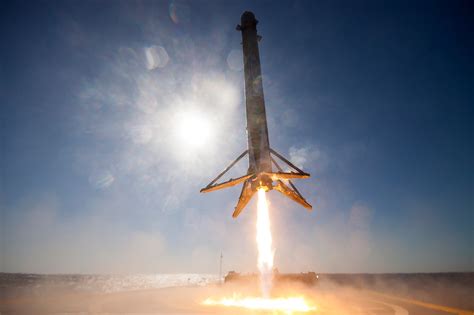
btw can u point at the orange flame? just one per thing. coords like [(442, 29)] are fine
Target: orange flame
[(287, 305)]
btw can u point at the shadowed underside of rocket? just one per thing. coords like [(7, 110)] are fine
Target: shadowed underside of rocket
[(260, 174)]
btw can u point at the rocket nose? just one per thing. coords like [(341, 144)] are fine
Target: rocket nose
[(247, 15), (248, 18)]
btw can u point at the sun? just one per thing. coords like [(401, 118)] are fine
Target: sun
[(193, 129)]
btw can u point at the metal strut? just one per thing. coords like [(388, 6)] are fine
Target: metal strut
[(231, 182), (294, 194), (244, 198), (289, 181), (281, 157)]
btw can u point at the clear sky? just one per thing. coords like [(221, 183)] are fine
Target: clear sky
[(114, 115)]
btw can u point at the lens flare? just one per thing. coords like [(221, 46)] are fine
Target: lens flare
[(264, 244)]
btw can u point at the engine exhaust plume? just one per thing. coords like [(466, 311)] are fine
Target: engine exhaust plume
[(264, 244)]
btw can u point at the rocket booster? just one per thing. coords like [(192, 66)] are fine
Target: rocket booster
[(260, 174), (257, 131)]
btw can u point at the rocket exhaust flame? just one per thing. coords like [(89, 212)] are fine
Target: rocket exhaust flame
[(264, 243), (286, 305)]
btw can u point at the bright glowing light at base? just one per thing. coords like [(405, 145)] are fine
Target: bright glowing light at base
[(288, 305)]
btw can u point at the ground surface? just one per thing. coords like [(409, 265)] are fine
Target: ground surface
[(331, 296), (187, 301)]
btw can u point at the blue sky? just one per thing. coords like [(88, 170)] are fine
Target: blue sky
[(115, 114)]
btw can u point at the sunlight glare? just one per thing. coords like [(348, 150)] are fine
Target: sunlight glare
[(194, 129)]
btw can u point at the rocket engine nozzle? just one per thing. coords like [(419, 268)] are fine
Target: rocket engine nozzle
[(262, 181)]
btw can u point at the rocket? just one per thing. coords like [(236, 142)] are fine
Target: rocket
[(262, 159)]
